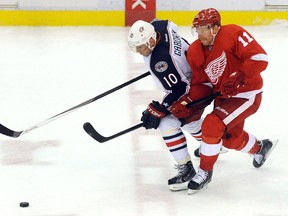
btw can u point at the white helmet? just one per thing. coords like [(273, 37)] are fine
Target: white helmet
[(140, 33)]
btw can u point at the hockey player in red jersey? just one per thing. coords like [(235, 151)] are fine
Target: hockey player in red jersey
[(231, 60)]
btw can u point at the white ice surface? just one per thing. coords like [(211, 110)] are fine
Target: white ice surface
[(61, 171)]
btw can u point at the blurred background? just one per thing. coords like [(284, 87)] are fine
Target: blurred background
[(55, 54), (125, 13)]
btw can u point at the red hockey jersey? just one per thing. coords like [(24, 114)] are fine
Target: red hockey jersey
[(234, 49)]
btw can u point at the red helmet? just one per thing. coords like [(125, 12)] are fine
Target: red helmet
[(207, 17)]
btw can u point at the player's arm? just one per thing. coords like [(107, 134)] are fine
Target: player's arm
[(255, 60), (251, 53)]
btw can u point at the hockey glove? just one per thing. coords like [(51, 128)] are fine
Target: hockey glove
[(231, 86), (179, 109), (153, 114)]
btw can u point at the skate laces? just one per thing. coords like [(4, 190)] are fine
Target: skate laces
[(182, 169), (200, 176)]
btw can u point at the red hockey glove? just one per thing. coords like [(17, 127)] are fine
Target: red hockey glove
[(153, 114), (179, 109), (231, 86)]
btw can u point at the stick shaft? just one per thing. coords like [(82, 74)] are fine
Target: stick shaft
[(42, 123), (196, 102), (8, 132), (90, 130)]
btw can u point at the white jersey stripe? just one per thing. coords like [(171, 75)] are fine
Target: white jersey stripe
[(238, 111), (250, 144), (248, 94), (260, 57)]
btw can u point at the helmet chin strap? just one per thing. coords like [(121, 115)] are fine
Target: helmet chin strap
[(156, 37), (214, 36), (149, 46)]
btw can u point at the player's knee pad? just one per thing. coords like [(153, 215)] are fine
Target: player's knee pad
[(212, 129)]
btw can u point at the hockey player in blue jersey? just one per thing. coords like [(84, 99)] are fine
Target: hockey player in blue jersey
[(164, 53)]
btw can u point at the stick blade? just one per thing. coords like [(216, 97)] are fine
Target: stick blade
[(8, 132), (90, 130)]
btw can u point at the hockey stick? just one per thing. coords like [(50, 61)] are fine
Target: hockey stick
[(90, 130), (11, 133)]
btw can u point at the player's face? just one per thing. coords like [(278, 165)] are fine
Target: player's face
[(143, 50), (205, 35)]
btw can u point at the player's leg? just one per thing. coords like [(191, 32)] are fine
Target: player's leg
[(176, 143)]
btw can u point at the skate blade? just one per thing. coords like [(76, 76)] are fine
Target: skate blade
[(190, 191), (274, 142), (178, 187)]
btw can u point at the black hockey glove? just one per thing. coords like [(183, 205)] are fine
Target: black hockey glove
[(153, 114)]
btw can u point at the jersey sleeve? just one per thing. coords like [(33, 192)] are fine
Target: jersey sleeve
[(253, 56)]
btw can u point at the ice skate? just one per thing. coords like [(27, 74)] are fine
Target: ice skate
[(185, 173), (199, 181), (266, 147)]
